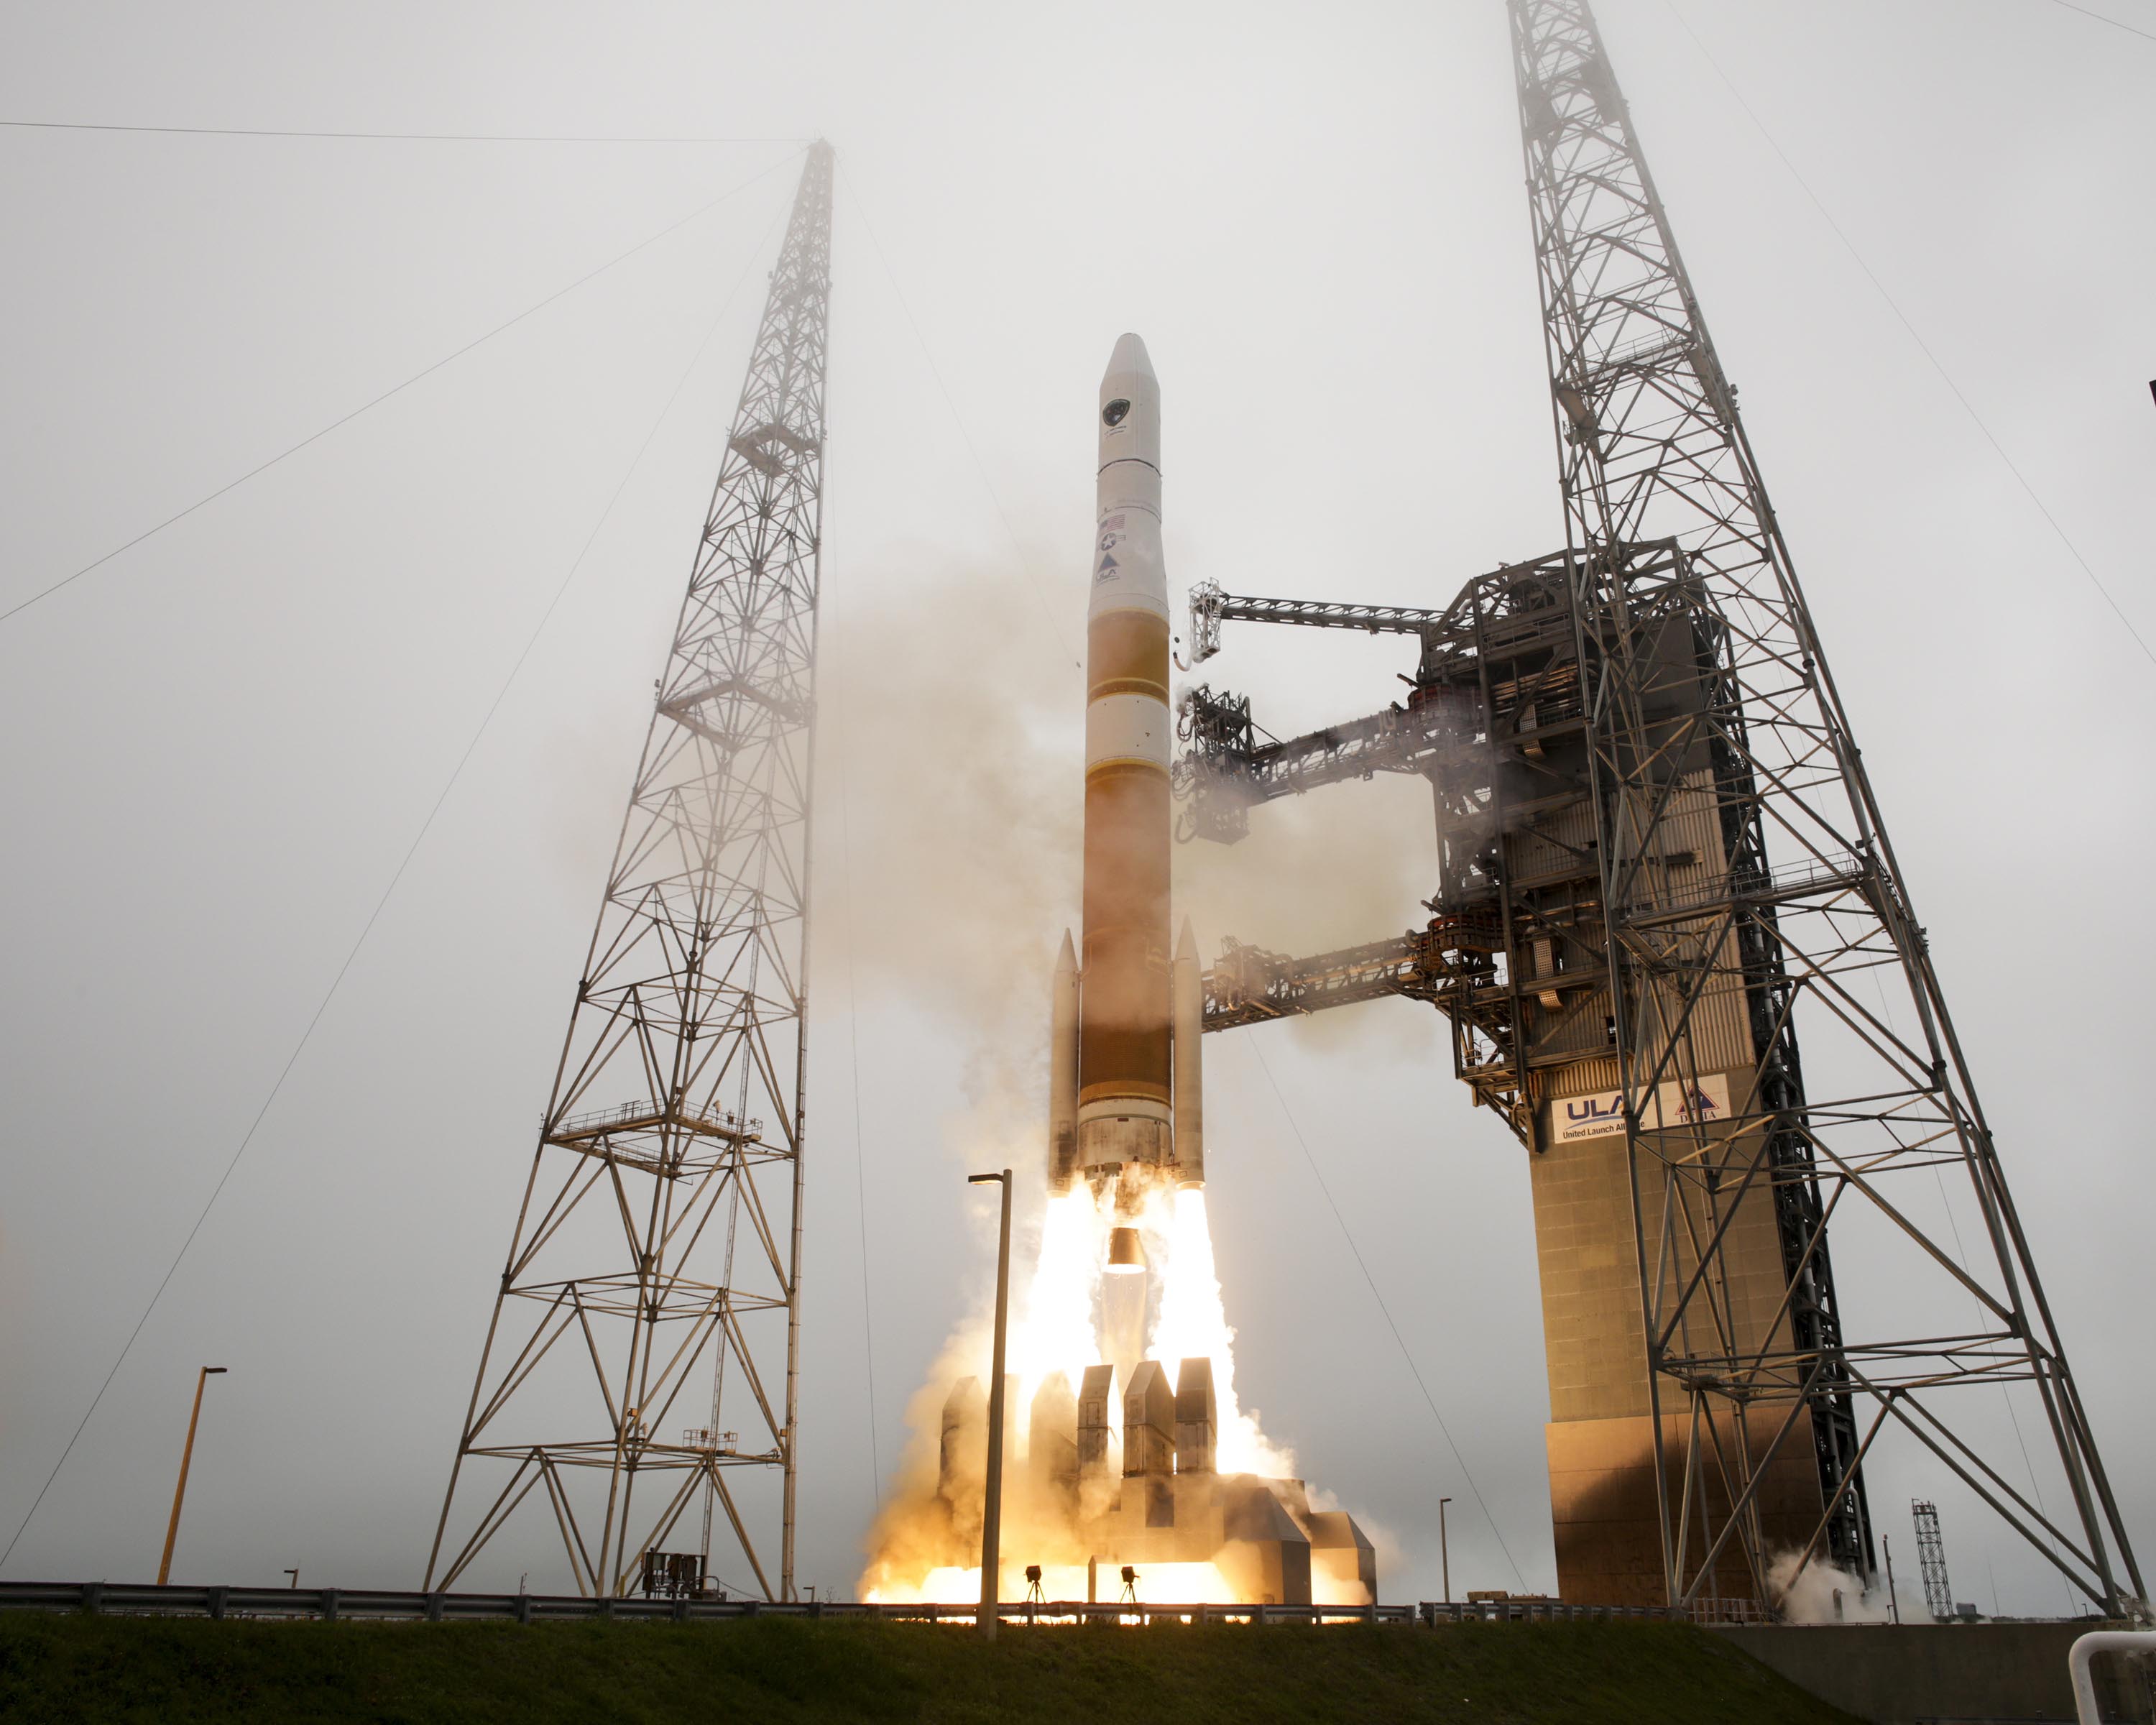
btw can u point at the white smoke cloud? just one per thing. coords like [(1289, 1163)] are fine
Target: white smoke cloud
[(1820, 1593)]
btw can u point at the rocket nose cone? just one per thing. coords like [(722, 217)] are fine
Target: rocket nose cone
[(1130, 355), (1130, 423)]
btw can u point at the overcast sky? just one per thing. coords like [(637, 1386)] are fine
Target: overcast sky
[(222, 742)]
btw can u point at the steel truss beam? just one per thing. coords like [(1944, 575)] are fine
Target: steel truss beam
[(1652, 452), (653, 1275), (1659, 858)]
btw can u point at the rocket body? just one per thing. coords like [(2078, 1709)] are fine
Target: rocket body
[(1125, 1077)]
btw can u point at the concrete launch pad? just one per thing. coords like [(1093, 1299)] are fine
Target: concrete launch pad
[(1127, 1477)]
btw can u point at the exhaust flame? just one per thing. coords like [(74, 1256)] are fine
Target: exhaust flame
[(1070, 1314), (1193, 1324)]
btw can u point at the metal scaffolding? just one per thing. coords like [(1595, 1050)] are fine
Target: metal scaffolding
[(1932, 1559), (1684, 596), (651, 1296), (1659, 859)]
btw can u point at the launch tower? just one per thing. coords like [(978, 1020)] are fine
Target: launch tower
[(651, 1297), (1659, 860)]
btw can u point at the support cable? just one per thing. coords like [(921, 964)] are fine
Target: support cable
[(2130, 29), (367, 407), (1302, 1144), (397, 137), (854, 1044), (382, 903), (1923, 347)]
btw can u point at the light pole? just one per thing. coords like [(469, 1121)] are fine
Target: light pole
[(187, 1455), (1444, 1552), (992, 1499)]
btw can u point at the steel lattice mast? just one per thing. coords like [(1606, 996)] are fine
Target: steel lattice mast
[(1932, 1559), (1659, 860), (1709, 709), (652, 1281)]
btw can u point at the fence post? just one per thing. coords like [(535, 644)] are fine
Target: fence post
[(328, 1597)]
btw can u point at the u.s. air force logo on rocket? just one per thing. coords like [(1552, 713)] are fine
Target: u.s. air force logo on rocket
[(1106, 568)]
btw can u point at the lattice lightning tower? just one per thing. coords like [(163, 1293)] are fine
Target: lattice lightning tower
[(1932, 1559), (651, 1297), (1710, 696), (1659, 858)]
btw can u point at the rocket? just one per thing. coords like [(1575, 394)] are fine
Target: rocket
[(1127, 1013)]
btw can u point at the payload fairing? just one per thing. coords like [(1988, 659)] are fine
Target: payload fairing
[(1128, 1018)]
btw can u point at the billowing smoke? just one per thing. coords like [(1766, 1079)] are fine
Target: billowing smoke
[(1820, 1593), (958, 797), (960, 802), (963, 803)]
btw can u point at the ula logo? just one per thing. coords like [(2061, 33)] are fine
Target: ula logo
[(1587, 1108)]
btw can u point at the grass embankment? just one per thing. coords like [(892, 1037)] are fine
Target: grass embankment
[(62, 1670)]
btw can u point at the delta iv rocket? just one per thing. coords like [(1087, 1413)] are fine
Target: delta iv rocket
[(1128, 1016)]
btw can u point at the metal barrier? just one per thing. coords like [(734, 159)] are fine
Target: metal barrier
[(334, 1605), (1540, 1611)]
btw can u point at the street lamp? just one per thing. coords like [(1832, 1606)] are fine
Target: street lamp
[(1444, 1552), (992, 1502), (187, 1455)]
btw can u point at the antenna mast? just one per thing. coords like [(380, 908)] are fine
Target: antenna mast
[(654, 1274)]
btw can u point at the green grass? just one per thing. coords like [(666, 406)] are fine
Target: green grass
[(98, 1671)]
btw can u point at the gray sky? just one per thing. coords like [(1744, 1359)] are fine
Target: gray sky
[(224, 740)]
